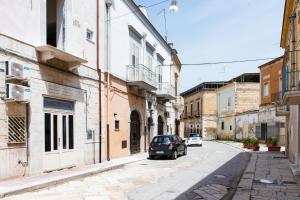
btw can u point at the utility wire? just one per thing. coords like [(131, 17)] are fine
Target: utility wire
[(152, 5), (223, 62)]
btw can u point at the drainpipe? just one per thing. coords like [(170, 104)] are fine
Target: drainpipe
[(108, 4), (99, 74)]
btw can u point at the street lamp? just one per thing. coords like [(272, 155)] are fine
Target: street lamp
[(174, 7)]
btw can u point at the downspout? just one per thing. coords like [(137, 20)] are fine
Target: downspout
[(108, 79), (99, 74)]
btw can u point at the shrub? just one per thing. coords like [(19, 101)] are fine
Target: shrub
[(246, 141), (269, 140), (274, 141), (255, 142)]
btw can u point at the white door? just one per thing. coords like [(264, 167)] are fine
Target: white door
[(59, 140)]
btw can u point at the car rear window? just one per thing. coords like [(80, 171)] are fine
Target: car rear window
[(194, 135), (161, 140)]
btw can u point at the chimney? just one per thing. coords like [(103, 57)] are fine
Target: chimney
[(144, 11)]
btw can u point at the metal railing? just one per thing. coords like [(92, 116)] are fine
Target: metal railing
[(166, 88), (291, 80), (142, 73)]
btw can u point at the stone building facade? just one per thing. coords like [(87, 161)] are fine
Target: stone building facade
[(238, 97), (49, 104), (200, 109), (271, 114), (290, 81), (142, 73)]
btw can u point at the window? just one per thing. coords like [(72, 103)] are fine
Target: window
[(223, 125), (47, 132), (135, 54), (266, 89), (135, 46), (89, 35), (160, 61), (230, 128), (198, 107), (191, 108), (229, 102), (280, 85), (117, 125), (150, 52)]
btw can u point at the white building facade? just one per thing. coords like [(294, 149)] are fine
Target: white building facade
[(139, 67), (49, 86)]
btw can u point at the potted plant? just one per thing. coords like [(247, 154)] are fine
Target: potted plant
[(246, 142), (274, 146), (255, 142), (269, 141)]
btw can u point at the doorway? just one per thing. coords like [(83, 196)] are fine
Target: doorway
[(264, 131), (59, 140), (160, 126), (135, 132)]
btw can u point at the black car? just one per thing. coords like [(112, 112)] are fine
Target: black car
[(167, 145)]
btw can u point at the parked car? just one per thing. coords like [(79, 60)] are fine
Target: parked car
[(194, 139), (167, 145)]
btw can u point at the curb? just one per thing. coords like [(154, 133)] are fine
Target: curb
[(243, 191), (221, 142), (64, 179)]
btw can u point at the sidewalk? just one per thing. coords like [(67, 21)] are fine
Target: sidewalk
[(26, 184), (278, 181)]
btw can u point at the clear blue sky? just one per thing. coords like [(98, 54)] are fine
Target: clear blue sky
[(220, 30)]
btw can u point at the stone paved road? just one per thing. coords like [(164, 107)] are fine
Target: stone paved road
[(150, 179)]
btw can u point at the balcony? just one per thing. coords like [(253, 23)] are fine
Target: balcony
[(277, 99), (197, 113), (141, 77), (55, 57), (178, 103), (166, 91), (292, 88)]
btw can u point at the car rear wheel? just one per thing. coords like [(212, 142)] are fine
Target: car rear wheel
[(151, 157), (174, 155)]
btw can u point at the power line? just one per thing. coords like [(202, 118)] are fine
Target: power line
[(152, 5), (223, 62)]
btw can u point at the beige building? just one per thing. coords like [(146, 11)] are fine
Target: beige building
[(200, 109), (291, 81), (234, 100)]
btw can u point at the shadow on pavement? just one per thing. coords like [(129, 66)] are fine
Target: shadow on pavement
[(220, 184)]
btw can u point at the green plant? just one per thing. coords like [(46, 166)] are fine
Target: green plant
[(274, 142), (246, 141), (255, 142), (269, 140)]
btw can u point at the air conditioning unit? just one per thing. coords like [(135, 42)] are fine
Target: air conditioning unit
[(17, 93), (16, 70)]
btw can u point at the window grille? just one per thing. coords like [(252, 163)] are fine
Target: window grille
[(16, 129)]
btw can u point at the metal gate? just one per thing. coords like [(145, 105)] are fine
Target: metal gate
[(160, 126), (135, 132)]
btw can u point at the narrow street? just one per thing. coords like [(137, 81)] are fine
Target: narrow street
[(152, 179)]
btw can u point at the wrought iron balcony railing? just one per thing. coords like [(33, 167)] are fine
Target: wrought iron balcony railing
[(141, 76), (166, 90)]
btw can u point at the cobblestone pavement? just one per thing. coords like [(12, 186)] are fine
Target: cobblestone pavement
[(267, 177), (149, 179), (221, 183)]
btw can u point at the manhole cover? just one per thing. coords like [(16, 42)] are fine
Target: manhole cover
[(219, 176), (265, 181)]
